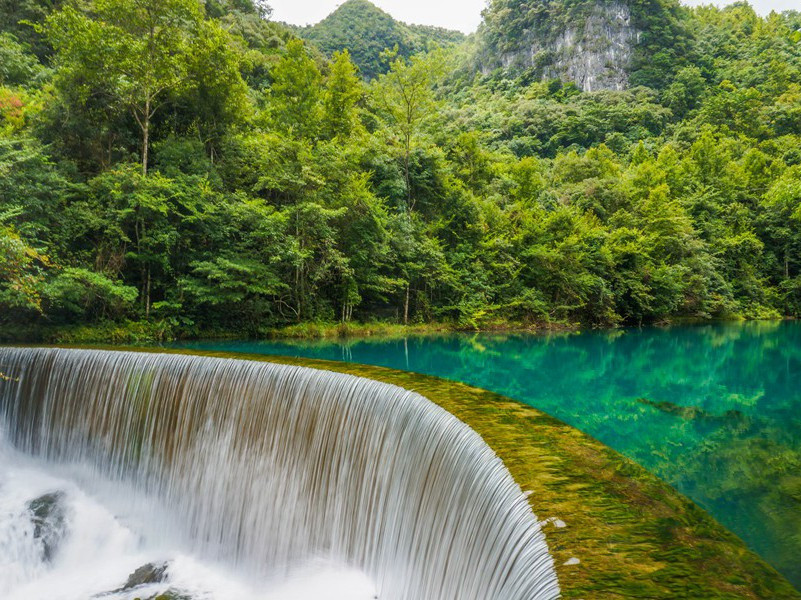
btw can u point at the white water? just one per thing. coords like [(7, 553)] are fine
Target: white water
[(254, 481), (100, 549)]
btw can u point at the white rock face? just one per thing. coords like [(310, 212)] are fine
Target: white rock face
[(594, 55)]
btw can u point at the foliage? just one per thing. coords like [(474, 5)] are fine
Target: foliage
[(281, 189)]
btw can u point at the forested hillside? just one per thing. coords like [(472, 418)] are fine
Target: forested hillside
[(174, 168), (366, 31)]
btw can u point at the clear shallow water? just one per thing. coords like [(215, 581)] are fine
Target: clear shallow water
[(715, 410)]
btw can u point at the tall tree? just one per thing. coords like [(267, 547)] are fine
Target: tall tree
[(342, 92), (406, 97), (139, 50), (295, 94)]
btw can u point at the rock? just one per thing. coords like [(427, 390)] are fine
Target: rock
[(49, 522), (146, 575), (594, 50), (572, 561), (555, 521), (169, 595)]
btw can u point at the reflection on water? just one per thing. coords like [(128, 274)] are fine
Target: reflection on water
[(715, 410)]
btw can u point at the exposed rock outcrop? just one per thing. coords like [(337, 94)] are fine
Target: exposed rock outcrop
[(594, 51), (146, 575)]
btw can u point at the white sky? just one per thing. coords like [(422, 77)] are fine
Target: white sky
[(464, 15)]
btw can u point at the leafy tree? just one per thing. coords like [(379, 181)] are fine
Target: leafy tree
[(138, 50), (294, 97), (17, 65), (21, 270), (342, 93), (405, 97)]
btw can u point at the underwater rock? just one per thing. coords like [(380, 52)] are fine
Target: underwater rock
[(695, 413), (48, 518)]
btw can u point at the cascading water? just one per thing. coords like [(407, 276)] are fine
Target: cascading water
[(268, 470)]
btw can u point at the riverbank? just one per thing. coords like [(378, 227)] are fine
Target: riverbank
[(615, 530), (139, 332), (144, 332)]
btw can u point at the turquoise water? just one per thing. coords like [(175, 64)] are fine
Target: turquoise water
[(714, 410)]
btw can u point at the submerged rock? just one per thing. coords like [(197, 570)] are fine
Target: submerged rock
[(733, 418), (49, 522)]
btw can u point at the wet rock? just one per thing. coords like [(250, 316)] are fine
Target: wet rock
[(146, 575), (170, 595), (49, 521)]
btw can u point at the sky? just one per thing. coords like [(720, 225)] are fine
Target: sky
[(464, 15)]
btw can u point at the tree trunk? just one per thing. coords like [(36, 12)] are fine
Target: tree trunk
[(147, 295), (786, 278), (145, 137), (406, 305), (407, 177)]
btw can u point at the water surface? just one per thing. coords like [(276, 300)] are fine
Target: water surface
[(715, 410)]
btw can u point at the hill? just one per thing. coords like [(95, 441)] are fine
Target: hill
[(365, 31)]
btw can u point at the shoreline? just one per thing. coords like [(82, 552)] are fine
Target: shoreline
[(137, 332)]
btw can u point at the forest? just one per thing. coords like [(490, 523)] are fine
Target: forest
[(175, 168)]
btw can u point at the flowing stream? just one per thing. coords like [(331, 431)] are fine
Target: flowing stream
[(237, 479)]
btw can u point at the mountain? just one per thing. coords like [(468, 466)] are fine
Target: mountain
[(596, 44), (365, 31)]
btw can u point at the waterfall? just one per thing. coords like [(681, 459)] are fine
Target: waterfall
[(269, 467)]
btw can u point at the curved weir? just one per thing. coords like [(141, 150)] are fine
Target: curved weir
[(270, 468)]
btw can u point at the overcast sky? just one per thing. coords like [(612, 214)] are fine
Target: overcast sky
[(464, 15)]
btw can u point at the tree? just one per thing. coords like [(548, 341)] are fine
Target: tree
[(21, 269), (343, 91), (781, 222), (406, 98), (138, 49), (294, 97)]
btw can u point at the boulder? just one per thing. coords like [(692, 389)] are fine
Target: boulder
[(48, 515)]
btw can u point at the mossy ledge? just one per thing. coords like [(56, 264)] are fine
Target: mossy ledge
[(634, 535)]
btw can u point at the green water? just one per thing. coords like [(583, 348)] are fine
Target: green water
[(714, 410)]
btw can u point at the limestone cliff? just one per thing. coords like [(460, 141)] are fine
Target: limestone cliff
[(591, 44)]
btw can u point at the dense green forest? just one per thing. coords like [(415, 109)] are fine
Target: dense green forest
[(169, 167)]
